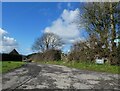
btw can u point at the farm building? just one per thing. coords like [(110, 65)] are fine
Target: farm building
[(12, 56)]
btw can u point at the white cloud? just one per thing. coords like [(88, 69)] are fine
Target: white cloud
[(6, 43), (2, 32), (65, 27)]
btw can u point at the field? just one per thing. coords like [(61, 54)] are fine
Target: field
[(9, 65), (88, 66)]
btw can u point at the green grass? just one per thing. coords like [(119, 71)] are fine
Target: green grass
[(88, 66), (9, 65)]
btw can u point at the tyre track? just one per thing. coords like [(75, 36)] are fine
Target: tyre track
[(33, 71)]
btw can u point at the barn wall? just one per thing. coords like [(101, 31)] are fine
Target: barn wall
[(9, 57)]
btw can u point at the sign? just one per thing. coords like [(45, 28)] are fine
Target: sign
[(117, 40), (100, 61)]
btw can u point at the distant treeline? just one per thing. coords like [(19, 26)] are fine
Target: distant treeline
[(11, 57)]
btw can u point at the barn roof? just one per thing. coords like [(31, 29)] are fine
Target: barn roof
[(14, 52)]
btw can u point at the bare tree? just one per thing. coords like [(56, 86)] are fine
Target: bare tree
[(86, 50), (46, 42)]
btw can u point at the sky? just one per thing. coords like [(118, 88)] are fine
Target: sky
[(23, 22)]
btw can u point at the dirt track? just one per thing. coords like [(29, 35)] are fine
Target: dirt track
[(34, 76)]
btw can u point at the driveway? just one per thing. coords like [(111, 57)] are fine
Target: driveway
[(39, 76)]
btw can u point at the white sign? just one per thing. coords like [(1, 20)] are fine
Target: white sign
[(117, 40), (100, 61)]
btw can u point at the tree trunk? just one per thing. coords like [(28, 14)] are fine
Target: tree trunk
[(113, 36), (113, 31)]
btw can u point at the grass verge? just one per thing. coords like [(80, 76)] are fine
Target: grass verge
[(88, 66), (9, 65)]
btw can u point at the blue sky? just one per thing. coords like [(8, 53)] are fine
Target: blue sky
[(26, 21)]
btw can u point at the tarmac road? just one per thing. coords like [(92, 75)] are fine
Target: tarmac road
[(39, 76)]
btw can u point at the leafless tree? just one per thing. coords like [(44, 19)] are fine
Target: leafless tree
[(46, 42), (86, 50)]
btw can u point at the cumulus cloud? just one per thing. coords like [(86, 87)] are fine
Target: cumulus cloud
[(2, 32), (65, 26), (6, 43)]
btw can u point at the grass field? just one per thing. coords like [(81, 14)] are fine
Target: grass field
[(88, 66), (9, 65)]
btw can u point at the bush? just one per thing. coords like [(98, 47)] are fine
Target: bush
[(50, 55)]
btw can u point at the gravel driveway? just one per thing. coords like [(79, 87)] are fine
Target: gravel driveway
[(39, 76)]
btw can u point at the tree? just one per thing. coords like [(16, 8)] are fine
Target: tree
[(86, 50), (46, 42), (118, 50), (103, 20)]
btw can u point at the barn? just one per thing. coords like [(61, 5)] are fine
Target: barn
[(12, 56)]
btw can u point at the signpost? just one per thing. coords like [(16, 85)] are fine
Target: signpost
[(117, 42), (101, 61)]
